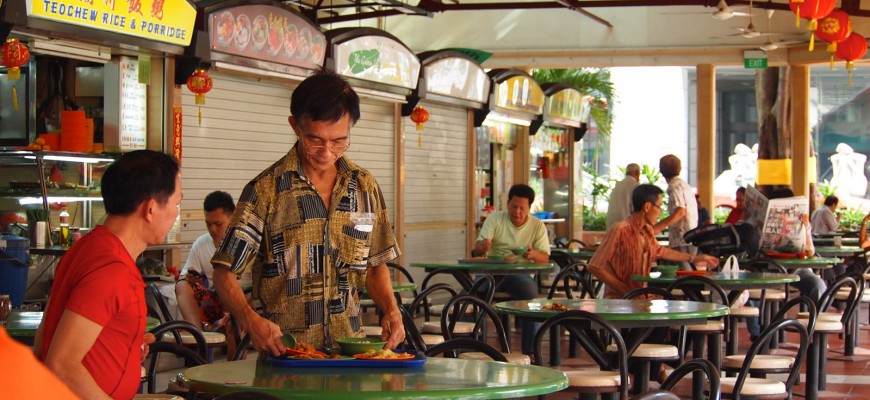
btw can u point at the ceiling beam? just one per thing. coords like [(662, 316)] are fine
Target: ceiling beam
[(574, 5)]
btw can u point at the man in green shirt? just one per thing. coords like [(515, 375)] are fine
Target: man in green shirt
[(515, 228)]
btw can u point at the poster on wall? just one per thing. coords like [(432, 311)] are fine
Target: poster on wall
[(126, 112)]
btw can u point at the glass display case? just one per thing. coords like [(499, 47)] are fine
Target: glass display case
[(37, 185)]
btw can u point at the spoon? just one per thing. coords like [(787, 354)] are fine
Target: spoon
[(288, 340)]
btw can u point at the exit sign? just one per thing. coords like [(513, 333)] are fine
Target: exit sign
[(754, 59)]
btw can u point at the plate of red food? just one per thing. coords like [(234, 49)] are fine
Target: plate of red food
[(685, 272), (782, 255), (305, 350)]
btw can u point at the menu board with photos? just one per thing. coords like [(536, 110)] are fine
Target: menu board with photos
[(377, 59), (457, 77), (267, 33), (133, 106)]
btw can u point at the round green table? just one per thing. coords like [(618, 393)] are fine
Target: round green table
[(797, 263), (462, 271), (439, 378), (582, 255), (22, 325), (829, 241), (842, 251), (729, 281)]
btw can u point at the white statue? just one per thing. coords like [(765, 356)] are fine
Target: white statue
[(849, 178), (743, 163)]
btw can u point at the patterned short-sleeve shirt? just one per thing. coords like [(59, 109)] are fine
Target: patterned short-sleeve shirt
[(309, 263)]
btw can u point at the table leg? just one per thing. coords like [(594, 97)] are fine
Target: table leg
[(697, 376), (812, 384), (555, 341)]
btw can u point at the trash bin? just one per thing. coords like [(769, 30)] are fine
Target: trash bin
[(14, 255)]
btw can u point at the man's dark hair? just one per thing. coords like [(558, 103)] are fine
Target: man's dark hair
[(741, 190), (781, 193), (831, 200), (524, 191), (324, 96), (136, 177), (643, 194), (219, 199)]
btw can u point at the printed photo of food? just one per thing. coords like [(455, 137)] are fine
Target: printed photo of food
[(242, 34), (260, 33), (318, 48), (291, 35), (303, 48), (225, 26), (276, 37)]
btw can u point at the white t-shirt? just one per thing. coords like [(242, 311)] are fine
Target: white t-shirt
[(619, 207), (199, 260)]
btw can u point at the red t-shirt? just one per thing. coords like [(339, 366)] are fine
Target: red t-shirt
[(99, 280), (734, 216)]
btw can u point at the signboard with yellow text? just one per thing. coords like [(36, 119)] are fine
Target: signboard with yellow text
[(168, 21)]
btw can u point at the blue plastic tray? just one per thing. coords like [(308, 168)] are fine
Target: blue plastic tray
[(417, 361)]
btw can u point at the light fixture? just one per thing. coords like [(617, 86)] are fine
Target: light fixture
[(496, 117), (71, 49), (58, 199), (84, 160)]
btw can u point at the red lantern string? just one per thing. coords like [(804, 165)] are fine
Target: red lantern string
[(851, 49), (199, 83), (419, 116), (834, 28), (15, 54), (811, 10)]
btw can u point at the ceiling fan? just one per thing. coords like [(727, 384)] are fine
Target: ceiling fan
[(723, 12), (750, 32), (770, 45)]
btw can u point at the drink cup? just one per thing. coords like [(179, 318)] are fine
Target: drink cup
[(5, 308), (838, 241)]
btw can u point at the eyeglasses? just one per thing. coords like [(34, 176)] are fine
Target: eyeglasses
[(335, 147)]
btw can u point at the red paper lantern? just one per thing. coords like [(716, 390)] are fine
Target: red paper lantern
[(834, 28), (811, 10), (851, 49), (15, 54), (199, 83), (419, 116)]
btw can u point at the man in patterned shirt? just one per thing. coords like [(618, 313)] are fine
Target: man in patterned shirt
[(630, 247), (313, 227), (682, 207)]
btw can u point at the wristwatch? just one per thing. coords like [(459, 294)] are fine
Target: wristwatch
[(691, 258)]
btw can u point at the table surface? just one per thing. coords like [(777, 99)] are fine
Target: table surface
[(812, 262), (25, 323), (583, 253), (842, 251), (441, 378), (740, 280), (490, 268), (615, 310)]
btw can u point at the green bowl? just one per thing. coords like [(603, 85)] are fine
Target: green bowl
[(519, 250), (495, 258), (668, 270), (352, 345)]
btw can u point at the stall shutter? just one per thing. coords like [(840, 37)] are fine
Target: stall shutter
[(244, 130), (373, 146), (436, 176)]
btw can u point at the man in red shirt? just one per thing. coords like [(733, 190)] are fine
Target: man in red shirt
[(92, 334), (736, 213)]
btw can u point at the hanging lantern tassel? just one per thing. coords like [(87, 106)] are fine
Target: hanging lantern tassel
[(199, 83), (15, 54), (834, 28), (419, 116)]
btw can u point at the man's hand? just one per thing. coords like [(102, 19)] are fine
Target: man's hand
[(481, 247), (265, 335), (393, 329), (706, 261)]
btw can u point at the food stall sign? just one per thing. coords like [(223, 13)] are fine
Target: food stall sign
[(267, 33), (168, 21), (568, 107), (126, 112), (457, 77), (520, 93), (377, 59)]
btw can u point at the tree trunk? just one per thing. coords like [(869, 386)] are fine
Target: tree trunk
[(773, 102)]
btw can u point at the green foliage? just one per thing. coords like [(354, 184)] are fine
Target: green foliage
[(594, 221), (652, 174), (826, 188), (850, 217), (600, 186), (720, 214), (593, 82)]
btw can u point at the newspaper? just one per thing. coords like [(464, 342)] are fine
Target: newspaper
[(777, 221)]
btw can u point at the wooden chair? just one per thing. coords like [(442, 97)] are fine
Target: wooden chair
[(593, 333)]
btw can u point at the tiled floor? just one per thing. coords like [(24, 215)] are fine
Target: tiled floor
[(846, 379)]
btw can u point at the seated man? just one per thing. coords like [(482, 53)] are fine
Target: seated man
[(826, 219), (197, 300), (736, 214), (514, 228), (629, 247)]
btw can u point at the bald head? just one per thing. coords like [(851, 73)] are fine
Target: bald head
[(633, 170)]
